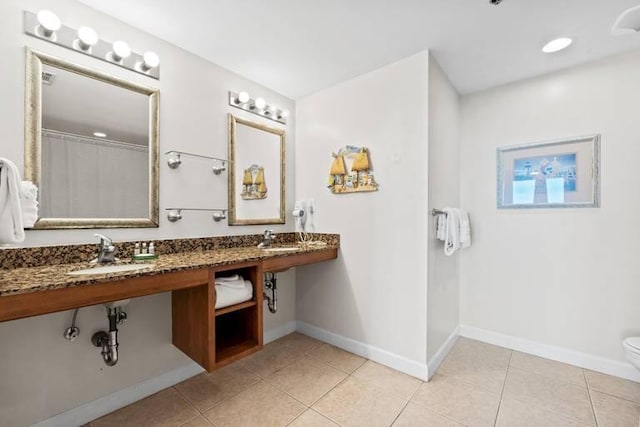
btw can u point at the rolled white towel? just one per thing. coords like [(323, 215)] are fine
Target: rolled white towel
[(11, 225), (28, 191), (236, 282), (29, 213), (226, 296)]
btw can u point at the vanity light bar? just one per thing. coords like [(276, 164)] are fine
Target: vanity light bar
[(175, 214), (45, 25), (258, 106)]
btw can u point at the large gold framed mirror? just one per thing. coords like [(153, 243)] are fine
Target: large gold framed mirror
[(257, 173), (91, 146)]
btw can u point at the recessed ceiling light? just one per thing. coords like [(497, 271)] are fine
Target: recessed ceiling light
[(100, 134), (557, 45)]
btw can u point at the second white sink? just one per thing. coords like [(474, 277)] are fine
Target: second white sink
[(110, 269)]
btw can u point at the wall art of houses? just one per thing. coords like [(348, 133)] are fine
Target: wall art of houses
[(351, 171), (253, 183)]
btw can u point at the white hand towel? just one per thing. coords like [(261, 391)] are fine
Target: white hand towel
[(29, 212), (441, 227), (465, 229), (11, 226), (452, 240), (233, 278)]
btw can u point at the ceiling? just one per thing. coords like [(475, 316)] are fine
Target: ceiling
[(298, 47)]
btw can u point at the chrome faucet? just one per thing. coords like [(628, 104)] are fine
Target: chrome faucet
[(267, 239), (106, 250)]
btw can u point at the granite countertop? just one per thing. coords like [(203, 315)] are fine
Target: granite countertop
[(32, 279)]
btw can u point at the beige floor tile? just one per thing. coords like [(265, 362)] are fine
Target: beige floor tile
[(273, 357), (514, 413), (459, 401), (479, 372), (619, 387), (337, 358), (206, 390), (567, 399), (260, 405), (356, 403), (614, 412), (198, 422), (300, 342), (307, 380), (487, 353), (312, 419), (396, 383), (164, 409), (548, 368), (417, 416)]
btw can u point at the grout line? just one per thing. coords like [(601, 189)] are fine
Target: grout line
[(407, 403), (504, 385), (593, 409)]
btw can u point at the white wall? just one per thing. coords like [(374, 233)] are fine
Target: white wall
[(444, 191), (561, 277), (376, 292), (41, 373)]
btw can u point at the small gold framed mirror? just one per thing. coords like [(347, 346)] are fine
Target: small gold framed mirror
[(257, 173), (91, 146)]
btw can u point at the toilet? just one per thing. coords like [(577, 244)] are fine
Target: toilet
[(632, 350)]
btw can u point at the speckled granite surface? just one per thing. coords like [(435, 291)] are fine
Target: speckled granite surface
[(11, 258), (53, 275)]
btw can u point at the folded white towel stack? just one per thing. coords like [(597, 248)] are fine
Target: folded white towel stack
[(29, 203), (11, 225), (236, 282), (226, 295), (454, 229)]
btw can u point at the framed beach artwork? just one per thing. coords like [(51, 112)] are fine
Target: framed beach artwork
[(554, 174)]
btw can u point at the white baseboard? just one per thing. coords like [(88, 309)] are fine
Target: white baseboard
[(384, 357), (442, 352), (121, 398), (560, 354), (279, 332)]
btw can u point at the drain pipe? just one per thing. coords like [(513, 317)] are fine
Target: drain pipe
[(271, 284), (109, 340)]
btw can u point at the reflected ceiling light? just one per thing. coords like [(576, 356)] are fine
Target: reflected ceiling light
[(49, 22), (149, 60), (260, 103), (100, 134), (557, 45), (121, 50), (243, 98), (87, 37)]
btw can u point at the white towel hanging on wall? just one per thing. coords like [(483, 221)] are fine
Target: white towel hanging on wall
[(11, 225)]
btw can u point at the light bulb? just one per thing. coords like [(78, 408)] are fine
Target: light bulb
[(49, 22), (243, 98), (282, 114), (149, 60), (87, 37), (100, 134), (260, 103), (270, 110), (557, 45), (121, 50)]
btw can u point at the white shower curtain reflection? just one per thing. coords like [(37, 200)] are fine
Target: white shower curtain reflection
[(85, 177)]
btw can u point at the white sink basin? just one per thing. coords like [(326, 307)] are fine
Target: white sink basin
[(110, 269), (282, 249)]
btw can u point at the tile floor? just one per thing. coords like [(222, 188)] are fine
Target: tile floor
[(298, 381)]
